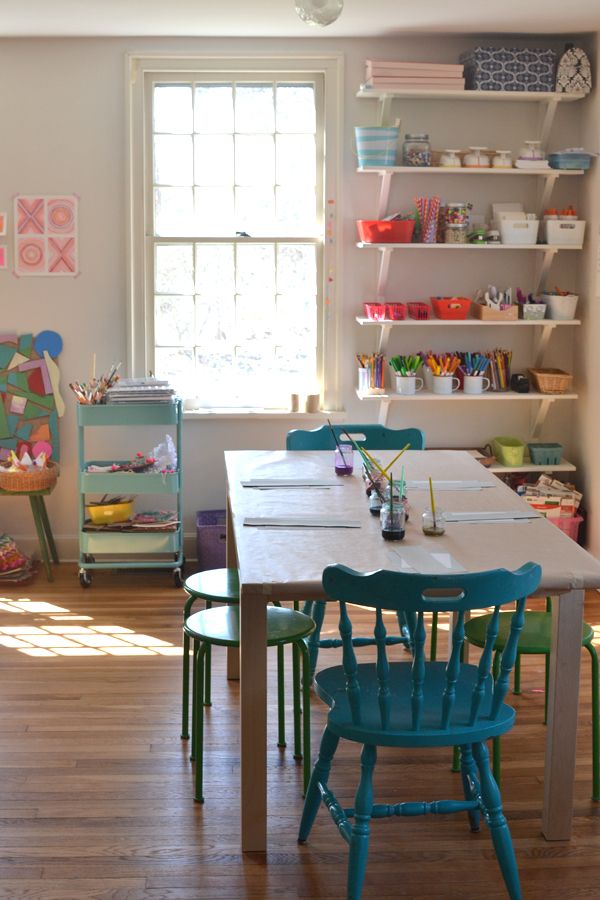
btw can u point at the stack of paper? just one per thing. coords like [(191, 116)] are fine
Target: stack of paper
[(410, 76), (140, 390)]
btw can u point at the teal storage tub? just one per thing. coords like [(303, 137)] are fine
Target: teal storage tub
[(570, 160), (545, 454)]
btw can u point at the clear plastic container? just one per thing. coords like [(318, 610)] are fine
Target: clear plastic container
[(456, 234), (416, 150)]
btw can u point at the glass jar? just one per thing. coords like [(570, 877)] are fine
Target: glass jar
[(434, 525), (416, 150), (450, 159), (457, 213), (476, 158), (456, 234), (375, 502), (344, 459), (393, 521), (502, 160)]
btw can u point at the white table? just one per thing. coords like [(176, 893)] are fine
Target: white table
[(287, 563)]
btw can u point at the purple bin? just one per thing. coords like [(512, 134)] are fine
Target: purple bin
[(210, 539)]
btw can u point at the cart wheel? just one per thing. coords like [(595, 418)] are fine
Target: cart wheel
[(88, 558), (177, 578), (85, 579)]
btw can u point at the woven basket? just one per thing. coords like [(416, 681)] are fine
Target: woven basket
[(551, 381), (37, 480)]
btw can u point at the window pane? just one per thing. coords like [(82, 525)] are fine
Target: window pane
[(174, 321), (296, 270), (174, 269), (214, 211), (254, 319), (254, 159), (214, 384), (213, 109), (296, 108), (177, 366), (172, 108), (173, 211), (215, 323), (255, 211), (296, 211), (295, 159), (213, 160), (254, 108), (256, 269), (214, 270), (172, 159)]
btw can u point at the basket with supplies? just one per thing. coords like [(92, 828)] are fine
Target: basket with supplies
[(551, 381), (23, 475)]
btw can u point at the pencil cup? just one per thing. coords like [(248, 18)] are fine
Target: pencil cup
[(364, 380), (475, 384), (343, 459), (408, 384), (445, 384)]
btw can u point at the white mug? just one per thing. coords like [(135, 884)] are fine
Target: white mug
[(407, 384), (474, 384), (445, 384), (364, 380)]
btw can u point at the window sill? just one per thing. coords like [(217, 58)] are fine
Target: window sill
[(253, 414)]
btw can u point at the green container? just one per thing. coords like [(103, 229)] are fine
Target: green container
[(508, 451), (545, 454)]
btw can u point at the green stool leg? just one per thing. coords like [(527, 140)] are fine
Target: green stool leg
[(433, 647), (194, 699), (199, 722), (280, 699), (207, 666), (303, 649), (595, 724), (296, 698), (39, 527), (48, 530), (517, 684), (185, 689)]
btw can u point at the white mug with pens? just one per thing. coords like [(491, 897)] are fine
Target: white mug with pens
[(476, 384), (445, 384)]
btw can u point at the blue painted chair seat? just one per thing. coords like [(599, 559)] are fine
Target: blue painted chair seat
[(330, 685)]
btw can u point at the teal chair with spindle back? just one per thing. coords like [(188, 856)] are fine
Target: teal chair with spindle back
[(418, 704), (371, 437)]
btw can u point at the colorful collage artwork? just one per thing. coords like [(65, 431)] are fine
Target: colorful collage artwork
[(30, 400), (46, 235)]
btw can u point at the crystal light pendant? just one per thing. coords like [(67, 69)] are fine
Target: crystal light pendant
[(318, 12)]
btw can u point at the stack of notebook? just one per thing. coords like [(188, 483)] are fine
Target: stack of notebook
[(140, 390), (381, 74)]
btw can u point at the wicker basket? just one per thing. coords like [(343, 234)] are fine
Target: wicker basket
[(36, 480), (551, 381)]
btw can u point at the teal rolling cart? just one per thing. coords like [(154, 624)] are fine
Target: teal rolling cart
[(126, 549)]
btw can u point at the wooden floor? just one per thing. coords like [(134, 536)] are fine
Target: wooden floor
[(96, 790)]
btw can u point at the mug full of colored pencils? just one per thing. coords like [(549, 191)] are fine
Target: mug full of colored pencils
[(371, 374)]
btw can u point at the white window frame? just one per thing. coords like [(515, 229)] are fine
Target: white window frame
[(141, 72)]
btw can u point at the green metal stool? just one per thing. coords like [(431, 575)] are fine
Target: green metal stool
[(221, 626), (223, 586), (42, 525), (535, 639)]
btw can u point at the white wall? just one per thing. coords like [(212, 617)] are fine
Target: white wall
[(62, 109)]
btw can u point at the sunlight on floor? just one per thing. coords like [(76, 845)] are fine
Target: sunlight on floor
[(75, 640)]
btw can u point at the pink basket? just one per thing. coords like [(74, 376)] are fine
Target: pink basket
[(568, 524), (375, 311), (395, 311), (417, 310)]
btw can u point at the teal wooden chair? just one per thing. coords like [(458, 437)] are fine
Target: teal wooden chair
[(418, 704), (223, 586), (371, 437), (536, 639), (221, 626)]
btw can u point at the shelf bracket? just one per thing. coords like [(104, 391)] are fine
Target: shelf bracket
[(540, 343), (384, 194), (385, 110), (384, 409), (384, 269), (545, 193), (549, 111), (384, 337), (542, 268), (540, 416)]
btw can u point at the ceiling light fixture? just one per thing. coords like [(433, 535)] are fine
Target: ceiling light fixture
[(318, 12)]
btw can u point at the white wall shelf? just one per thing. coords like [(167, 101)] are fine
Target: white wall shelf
[(563, 466)]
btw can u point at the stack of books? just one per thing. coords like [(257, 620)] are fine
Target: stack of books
[(140, 390), (14, 565), (382, 74)]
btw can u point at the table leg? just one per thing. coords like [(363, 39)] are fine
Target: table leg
[(48, 530), (39, 527), (253, 705), (233, 655), (563, 708)]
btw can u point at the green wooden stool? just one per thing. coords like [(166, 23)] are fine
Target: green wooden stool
[(221, 626), (223, 586), (42, 525), (535, 639)]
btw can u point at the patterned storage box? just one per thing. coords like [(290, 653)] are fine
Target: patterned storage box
[(509, 69)]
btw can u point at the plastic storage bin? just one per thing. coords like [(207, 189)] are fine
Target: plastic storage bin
[(519, 231), (545, 454), (568, 524), (570, 160), (562, 231), (560, 306), (532, 311), (380, 232), (509, 69), (110, 513), (418, 310), (451, 307), (376, 146), (508, 451), (210, 539)]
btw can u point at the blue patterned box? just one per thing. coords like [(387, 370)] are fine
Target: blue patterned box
[(509, 69)]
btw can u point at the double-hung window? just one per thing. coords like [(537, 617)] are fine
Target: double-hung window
[(232, 287)]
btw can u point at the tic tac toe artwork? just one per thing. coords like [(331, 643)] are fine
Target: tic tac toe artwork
[(46, 235), (30, 400)]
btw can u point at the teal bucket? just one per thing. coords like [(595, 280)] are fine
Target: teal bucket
[(376, 146)]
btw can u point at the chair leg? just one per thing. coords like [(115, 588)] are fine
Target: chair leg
[(318, 615), (303, 650), (208, 667), (363, 806), (595, 723), (199, 722), (470, 783), (517, 681), (47, 529), (280, 698), (194, 698), (455, 759), (185, 689), (496, 821), (497, 760), (320, 775), (296, 701), (434, 630)]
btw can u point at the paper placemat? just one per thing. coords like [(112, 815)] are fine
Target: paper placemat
[(449, 485), (417, 559), (504, 515), (292, 482), (301, 522)]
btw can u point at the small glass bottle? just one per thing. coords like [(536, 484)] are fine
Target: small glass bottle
[(416, 150), (434, 525), (375, 502), (344, 459), (393, 520)]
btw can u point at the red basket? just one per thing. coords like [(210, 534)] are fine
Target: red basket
[(568, 524), (395, 311), (451, 307), (417, 310), (380, 232), (375, 311)]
